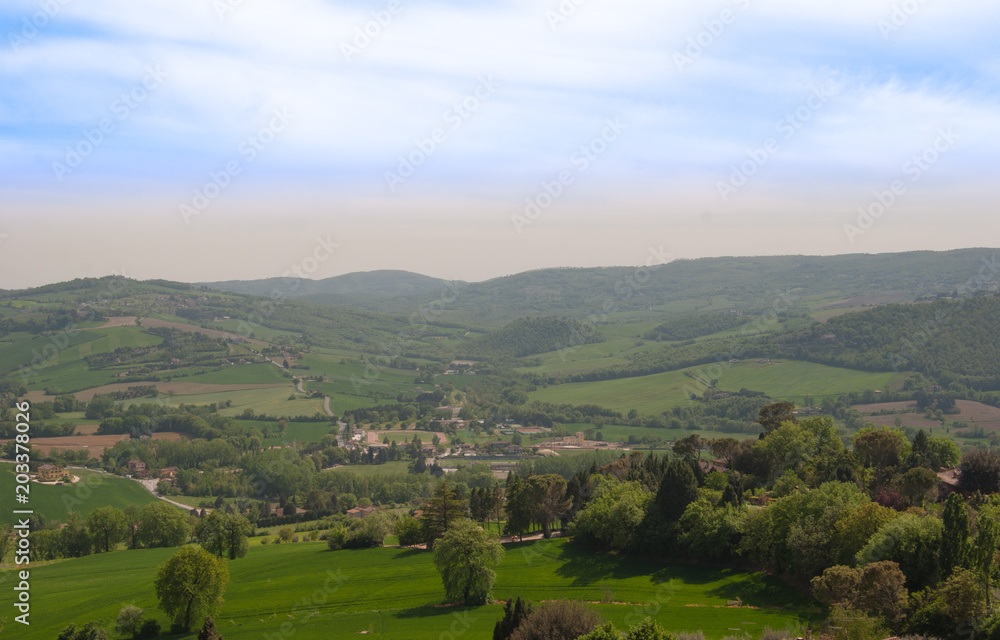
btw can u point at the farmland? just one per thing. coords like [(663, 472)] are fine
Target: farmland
[(785, 380), (93, 491), (325, 594)]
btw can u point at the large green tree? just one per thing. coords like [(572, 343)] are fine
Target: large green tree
[(678, 489), (955, 537), (548, 499), (108, 526), (444, 508), (163, 525), (466, 556), (190, 585)]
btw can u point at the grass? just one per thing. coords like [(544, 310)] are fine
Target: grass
[(785, 380), (93, 491), (316, 593), (242, 374)]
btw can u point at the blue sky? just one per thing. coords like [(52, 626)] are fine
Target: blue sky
[(236, 133)]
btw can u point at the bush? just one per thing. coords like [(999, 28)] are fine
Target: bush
[(408, 530), (149, 629), (314, 535), (285, 534), (560, 620), (336, 537), (295, 538), (129, 621)]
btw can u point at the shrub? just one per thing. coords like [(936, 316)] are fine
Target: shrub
[(149, 629), (560, 620), (336, 537), (285, 534), (129, 621)]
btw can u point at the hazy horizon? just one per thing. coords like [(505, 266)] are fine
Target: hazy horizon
[(197, 141)]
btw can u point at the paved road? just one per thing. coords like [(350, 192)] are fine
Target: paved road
[(151, 485), (340, 433), (301, 390)]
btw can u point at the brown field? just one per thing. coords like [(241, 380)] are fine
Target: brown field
[(176, 387), (95, 445), (984, 415), (129, 321)]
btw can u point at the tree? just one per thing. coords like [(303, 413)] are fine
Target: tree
[(465, 556), (443, 509), (881, 590), (208, 630), (911, 541), (548, 498), (980, 471), (210, 533), (518, 506), (560, 620), (408, 531), (108, 526), (725, 448), (238, 531), (690, 446), (880, 449), (76, 541), (916, 483), (983, 555), (129, 621), (955, 537), (6, 542), (612, 517), (514, 613), (133, 518), (190, 584), (678, 489), (163, 525), (771, 416)]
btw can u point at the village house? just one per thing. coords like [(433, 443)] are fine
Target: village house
[(50, 472), (137, 469)]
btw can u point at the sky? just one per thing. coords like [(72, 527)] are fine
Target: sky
[(203, 140)]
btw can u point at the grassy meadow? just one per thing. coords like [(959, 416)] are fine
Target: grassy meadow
[(321, 594), (55, 502)]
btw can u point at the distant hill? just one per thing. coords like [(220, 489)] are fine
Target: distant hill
[(679, 288), (362, 285)]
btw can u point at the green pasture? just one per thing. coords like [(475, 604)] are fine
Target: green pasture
[(320, 594)]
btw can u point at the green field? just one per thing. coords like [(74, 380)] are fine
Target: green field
[(321, 594), (785, 380), (56, 502), (243, 374)]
